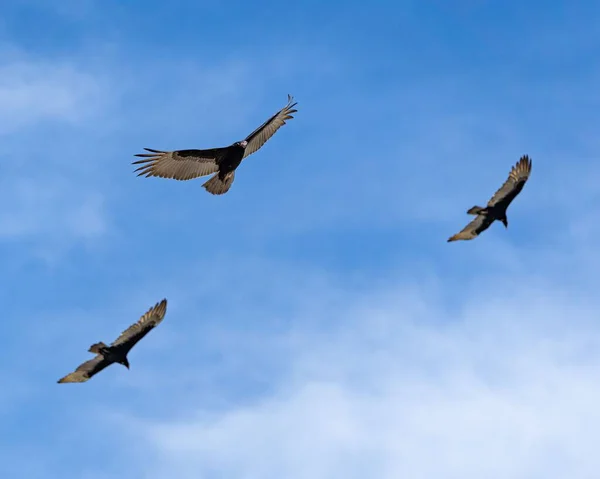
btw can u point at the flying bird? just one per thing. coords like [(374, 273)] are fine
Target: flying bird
[(496, 207), (118, 350), (189, 164)]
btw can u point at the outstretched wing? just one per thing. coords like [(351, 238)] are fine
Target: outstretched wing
[(517, 178), (179, 164), (86, 370), (259, 137), (138, 330), (480, 223)]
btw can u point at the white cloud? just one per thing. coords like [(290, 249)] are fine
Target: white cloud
[(51, 212), (49, 198), (398, 384), (31, 91)]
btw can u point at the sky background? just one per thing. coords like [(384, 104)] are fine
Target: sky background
[(318, 325)]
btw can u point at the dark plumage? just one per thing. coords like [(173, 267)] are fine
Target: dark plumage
[(118, 350), (496, 207), (188, 164)]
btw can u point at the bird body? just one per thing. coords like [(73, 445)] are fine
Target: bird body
[(498, 204), (118, 350), (188, 164), (232, 158), (111, 354)]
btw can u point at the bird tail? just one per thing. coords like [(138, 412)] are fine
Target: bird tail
[(216, 186), (97, 348), (475, 210)]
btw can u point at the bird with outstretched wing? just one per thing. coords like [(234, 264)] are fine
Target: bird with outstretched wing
[(498, 204), (118, 350), (188, 164)]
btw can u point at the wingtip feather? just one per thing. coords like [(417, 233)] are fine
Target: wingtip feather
[(72, 378), (290, 104), (525, 162), (160, 308), (522, 168), (162, 304)]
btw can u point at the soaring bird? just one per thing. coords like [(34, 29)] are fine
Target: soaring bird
[(118, 350), (496, 207), (188, 164)]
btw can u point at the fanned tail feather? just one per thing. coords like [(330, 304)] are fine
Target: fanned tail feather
[(475, 210), (97, 347), (216, 186)]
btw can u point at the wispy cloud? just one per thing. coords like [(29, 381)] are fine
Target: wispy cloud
[(35, 91), (49, 207), (505, 386), (50, 200)]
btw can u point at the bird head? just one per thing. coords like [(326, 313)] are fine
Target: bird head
[(242, 143), (125, 363)]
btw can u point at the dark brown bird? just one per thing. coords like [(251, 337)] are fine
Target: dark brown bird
[(496, 207), (118, 350), (188, 164)]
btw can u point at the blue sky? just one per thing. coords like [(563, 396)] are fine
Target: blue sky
[(318, 325)]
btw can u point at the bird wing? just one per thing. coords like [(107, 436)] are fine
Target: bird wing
[(517, 178), (86, 370), (477, 225), (128, 338), (179, 164), (259, 137)]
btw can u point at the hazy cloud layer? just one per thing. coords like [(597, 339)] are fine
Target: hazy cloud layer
[(32, 91), (400, 385)]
